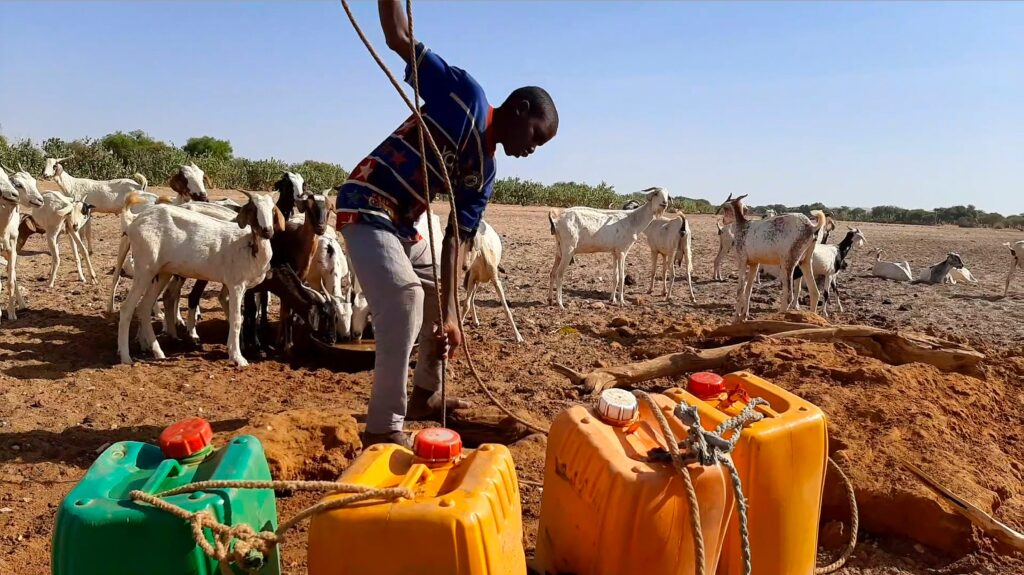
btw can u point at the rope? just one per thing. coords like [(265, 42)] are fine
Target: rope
[(241, 544), (851, 543), (427, 137), (680, 465)]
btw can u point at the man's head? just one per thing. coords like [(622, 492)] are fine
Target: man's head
[(526, 120)]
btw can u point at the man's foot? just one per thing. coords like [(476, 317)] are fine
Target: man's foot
[(397, 437), (426, 405)]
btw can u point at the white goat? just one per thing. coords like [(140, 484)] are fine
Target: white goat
[(481, 265), (56, 215), (898, 271), (785, 241), (936, 274), (726, 237), (168, 241), (328, 270), (106, 196), (19, 191), (1016, 251), (669, 240), (961, 274), (585, 230)]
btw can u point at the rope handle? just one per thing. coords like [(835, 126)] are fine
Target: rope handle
[(241, 544)]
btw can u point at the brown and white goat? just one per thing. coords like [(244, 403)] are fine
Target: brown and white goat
[(1016, 251), (785, 241)]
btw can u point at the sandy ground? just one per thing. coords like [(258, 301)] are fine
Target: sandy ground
[(63, 396)]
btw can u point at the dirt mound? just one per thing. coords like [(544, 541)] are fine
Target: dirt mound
[(307, 443), (955, 426)]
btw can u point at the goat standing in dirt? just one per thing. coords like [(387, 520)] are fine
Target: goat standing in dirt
[(785, 241)]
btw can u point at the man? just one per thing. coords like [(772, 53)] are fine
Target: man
[(380, 202)]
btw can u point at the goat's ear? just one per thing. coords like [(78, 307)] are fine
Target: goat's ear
[(279, 222), (246, 215), (178, 183)]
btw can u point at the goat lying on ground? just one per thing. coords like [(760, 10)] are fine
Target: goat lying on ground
[(1016, 252), (937, 273), (585, 230), (669, 239), (106, 196), (961, 274), (481, 265), (891, 270), (784, 241), (167, 241)]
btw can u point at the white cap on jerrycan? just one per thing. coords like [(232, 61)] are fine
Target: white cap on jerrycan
[(617, 406)]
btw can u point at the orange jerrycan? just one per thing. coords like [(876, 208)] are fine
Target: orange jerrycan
[(610, 509), (465, 516), (781, 462)]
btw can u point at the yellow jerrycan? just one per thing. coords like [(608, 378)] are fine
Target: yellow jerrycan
[(781, 462), (465, 517), (611, 507)]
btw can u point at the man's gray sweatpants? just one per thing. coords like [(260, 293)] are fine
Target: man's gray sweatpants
[(398, 284)]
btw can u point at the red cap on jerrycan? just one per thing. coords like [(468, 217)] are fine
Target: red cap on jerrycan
[(437, 445), (186, 438), (705, 385)]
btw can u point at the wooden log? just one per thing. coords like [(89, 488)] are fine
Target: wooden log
[(758, 327), (891, 347), (990, 525)]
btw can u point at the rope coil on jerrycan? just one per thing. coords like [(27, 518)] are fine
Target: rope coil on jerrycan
[(241, 544), (426, 137)]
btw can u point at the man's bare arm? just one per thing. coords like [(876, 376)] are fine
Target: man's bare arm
[(396, 27)]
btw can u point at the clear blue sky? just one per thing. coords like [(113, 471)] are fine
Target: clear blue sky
[(916, 104)]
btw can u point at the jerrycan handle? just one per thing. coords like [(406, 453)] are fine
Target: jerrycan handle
[(167, 468), (417, 472)]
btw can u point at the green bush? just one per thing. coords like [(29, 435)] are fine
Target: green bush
[(208, 147)]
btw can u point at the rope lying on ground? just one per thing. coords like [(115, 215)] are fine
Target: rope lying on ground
[(851, 543), (426, 137), (241, 544)]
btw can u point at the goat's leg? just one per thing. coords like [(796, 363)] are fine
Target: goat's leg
[(654, 270), (689, 280), (51, 239), (558, 273), (812, 287), (508, 311), (78, 244), (250, 338), (472, 305), (834, 288), (140, 284), (12, 285), (551, 277), (145, 315), (470, 288), (171, 297), (670, 268), (87, 228), (235, 294), (746, 287), (195, 297), (1009, 276)]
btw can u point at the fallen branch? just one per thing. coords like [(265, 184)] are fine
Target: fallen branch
[(990, 525), (891, 347), (487, 425)]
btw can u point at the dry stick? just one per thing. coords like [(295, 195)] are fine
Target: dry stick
[(451, 197)]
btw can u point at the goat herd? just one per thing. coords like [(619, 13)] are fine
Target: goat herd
[(284, 247)]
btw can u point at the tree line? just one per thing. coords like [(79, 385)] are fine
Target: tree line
[(123, 153)]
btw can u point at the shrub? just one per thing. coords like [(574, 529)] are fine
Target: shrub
[(208, 147)]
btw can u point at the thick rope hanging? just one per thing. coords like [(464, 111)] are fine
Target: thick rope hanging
[(241, 544), (427, 137)]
